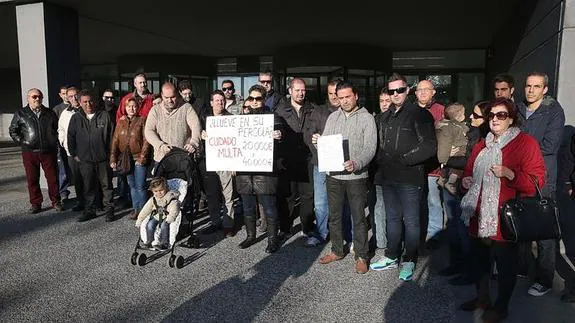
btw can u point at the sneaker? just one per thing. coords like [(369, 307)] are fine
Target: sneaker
[(406, 272), (312, 242), (147, 245), (351, 249), (162, 247), (538, 290), (383, 264)]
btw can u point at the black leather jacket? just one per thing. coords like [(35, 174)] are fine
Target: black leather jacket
[(38, 134)]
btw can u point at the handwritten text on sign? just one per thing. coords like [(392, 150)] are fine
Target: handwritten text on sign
[(240, 143)]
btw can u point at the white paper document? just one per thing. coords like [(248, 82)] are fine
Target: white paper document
[(330, 153)]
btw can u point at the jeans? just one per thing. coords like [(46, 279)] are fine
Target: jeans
[(459, 240), (123, 186), (435, 211), (267, 201), (402, 203), (77, 180), (320, 203), (63, 173), (356, 193), (379, 225), (227, 185), (164, 231), (137, 182)]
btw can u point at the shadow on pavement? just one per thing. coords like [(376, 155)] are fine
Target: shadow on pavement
[(242, 298), (17, 225)]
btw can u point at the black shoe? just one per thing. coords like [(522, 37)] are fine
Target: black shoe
[(248, 242), (146, 245), (461, 280), (35, 209), (110, 216), (86, 216), (58, 206), (432, 244), (272, 246), (568, 298), (162, 247), (78, 208), (449, 271)]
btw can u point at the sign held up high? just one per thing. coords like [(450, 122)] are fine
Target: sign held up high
[(240, 143)]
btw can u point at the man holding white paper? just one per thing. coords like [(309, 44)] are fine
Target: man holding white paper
[(357, 127)]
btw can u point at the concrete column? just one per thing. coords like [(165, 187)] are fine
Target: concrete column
[(48, 49), (566, 79)]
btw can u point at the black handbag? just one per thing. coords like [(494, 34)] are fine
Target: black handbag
[(530, 218)]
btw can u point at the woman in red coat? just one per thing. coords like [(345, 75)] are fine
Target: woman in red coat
[(500, 166)]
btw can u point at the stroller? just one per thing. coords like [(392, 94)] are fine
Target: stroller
[(179, 168)]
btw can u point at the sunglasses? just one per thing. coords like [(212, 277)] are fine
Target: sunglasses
[(399, 90), (227, 89), (257, 98), (109, 98), (476, 116), (265, 82), (36, 97), (501, 115)]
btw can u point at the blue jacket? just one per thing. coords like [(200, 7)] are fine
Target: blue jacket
[(546, 126)]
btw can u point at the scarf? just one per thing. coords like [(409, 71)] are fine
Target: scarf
[(486, 184)]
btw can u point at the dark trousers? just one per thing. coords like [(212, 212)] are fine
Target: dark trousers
[(77, 180), (505, 255), (213, 191), (267, 201), (402, 205), (32, 163), (295, 199), (356, 193), (95, 176), (566, 258)]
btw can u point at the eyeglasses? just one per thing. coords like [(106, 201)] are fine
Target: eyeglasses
[(257, 98), (109, 98), (476, 116), (36, 97), (424, 90), (501, 115), (399, 90), (265, 81), (227, 89)]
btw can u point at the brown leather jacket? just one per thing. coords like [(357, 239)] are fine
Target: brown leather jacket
[(134, 131)]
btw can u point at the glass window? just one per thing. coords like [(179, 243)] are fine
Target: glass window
[(443, 89), (470, 89), (249, 81)]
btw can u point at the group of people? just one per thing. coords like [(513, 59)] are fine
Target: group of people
[(410, 163)]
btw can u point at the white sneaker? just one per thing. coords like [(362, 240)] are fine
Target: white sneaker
[(538, 290), (351, 249), (312, 242)]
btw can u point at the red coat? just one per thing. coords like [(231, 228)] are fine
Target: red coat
[(437, 110), (144, 108), (523, 156)]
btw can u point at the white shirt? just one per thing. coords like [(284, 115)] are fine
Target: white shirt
[(63, 124)]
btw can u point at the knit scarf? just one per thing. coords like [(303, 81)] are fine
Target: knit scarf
[(486, 184)]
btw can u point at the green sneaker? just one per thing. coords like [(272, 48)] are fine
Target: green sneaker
[(406, 272), (383, 264)]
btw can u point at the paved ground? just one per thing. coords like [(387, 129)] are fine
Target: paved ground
[(55, 269)]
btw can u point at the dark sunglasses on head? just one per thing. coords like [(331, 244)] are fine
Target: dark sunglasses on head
[(265, 82), (225, 89), (399, 90), (257, 98), (476, 116), (501, 115), (35, 97)]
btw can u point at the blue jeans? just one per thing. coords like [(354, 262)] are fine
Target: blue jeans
[(123, 188), (137, 182), (402, 204), (267, 201), (435, 215), (63, 173), (459, 240), (379, 227), (320, 204), (164, 231)]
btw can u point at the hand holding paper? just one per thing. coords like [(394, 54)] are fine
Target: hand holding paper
[(330, 153)]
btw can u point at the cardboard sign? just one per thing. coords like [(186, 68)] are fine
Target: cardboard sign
[(240, 143)]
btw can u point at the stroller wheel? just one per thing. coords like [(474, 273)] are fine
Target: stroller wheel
[(142, 259), (171, 261), (179, 262), (134, 258)]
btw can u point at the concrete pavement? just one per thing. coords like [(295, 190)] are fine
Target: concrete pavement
[(55, 269)]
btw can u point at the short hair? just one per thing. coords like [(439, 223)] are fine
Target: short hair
[(504, 78), (294, 80), (184, 85), (383, 91), (140, 75), (453, 110), (158, 182), (217, 92), (84, 93), (108, 90), (509, 106), (539, 74), (397, 77), (168, 85), (72, 88), (268, 73), (228, 81), (334, 82), (258, 88), (63, 87), (345, 85)]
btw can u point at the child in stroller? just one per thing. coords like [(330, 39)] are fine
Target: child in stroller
[(161, 209)]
